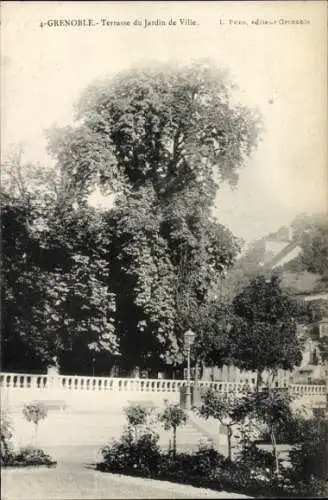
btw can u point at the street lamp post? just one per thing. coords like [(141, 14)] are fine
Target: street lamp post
[(189, 338)]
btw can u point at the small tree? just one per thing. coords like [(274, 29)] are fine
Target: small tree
[(34, 412), (172, 417), (222, 407), (137, 417), (263, 335), (271, 408)]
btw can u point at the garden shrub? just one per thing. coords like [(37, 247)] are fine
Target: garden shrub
[(255, 459), (206, 460), (309, 460), (31, 456), (239, 478), (6, 436), (196, 468), (128, 455)]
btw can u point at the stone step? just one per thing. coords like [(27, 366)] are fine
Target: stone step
[(64, 429)]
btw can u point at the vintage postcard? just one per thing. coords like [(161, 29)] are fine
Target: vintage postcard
[(164, 249)]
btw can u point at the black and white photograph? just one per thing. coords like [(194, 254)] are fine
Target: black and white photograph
[(164, 250)]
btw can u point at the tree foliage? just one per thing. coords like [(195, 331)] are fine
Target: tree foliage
[(133, 278), (56, 286), (271, 408), (35, 412), (263, 334), (224, 408), (173, 417), (161, 139)]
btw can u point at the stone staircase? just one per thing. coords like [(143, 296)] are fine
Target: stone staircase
[(96, 429)]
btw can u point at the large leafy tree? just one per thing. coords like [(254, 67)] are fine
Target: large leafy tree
[(263, 333), (56, 296), (162, 139)]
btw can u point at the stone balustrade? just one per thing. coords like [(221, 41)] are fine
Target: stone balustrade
[(80, 383)]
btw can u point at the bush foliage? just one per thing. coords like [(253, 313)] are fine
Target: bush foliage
[(131, 455), (30, 456), (6, 436), (253, 471)]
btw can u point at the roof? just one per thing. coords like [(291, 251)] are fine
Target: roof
[(283, 253)]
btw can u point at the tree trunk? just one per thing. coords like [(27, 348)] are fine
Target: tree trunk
[(258, 380), (174, 442), (36, 436), (229, 436), (274, 450), (274, 374)]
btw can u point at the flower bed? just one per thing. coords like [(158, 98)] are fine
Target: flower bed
[(30, 457), (253, 471)]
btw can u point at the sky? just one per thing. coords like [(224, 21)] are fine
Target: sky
[(280, 68)]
